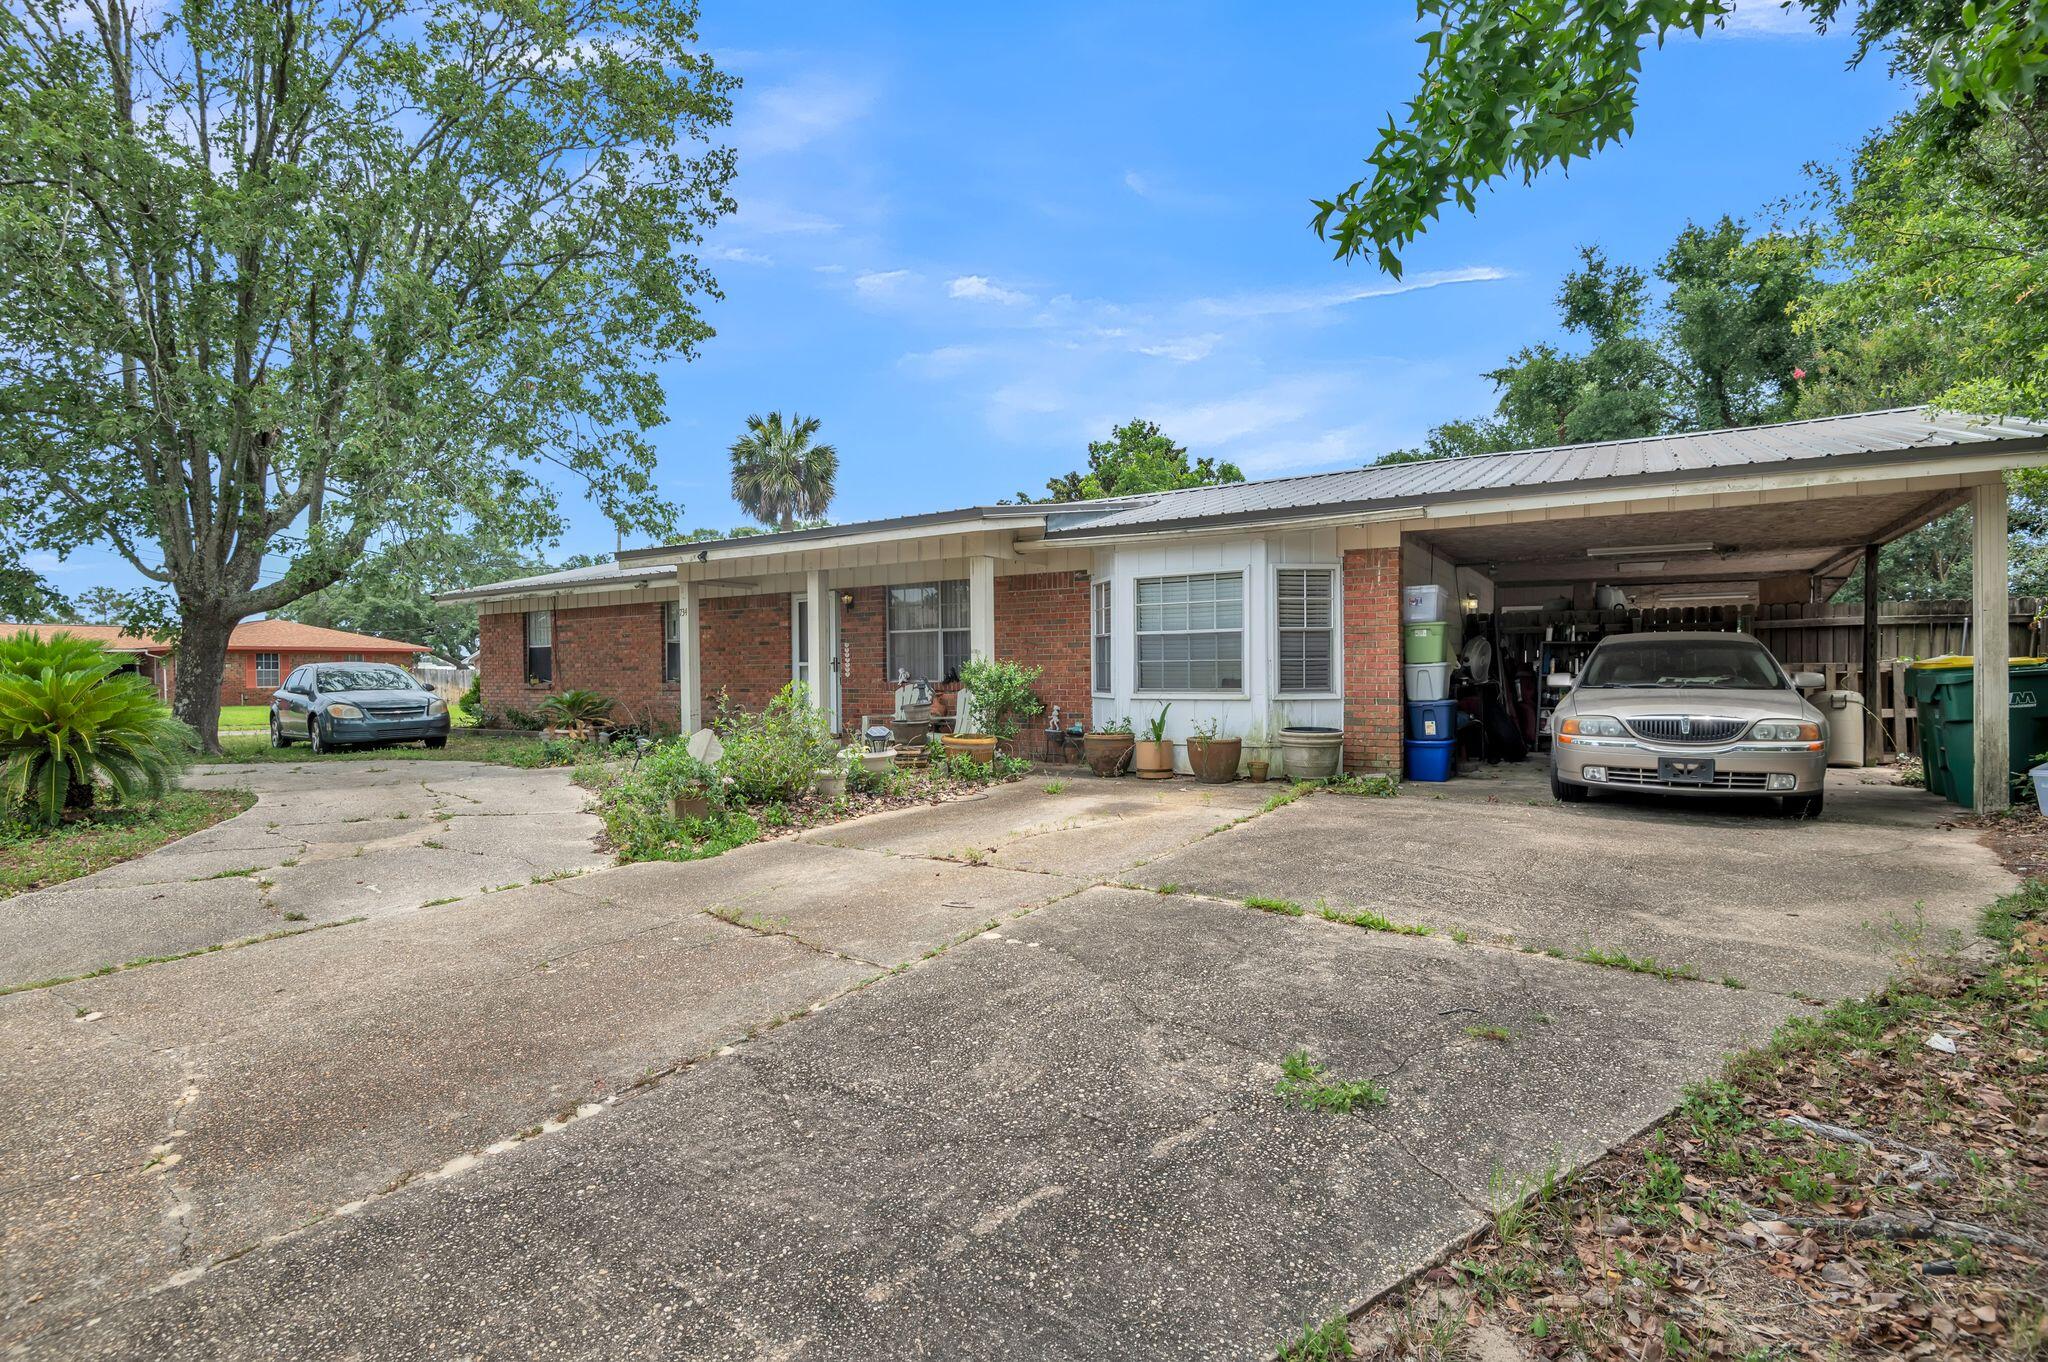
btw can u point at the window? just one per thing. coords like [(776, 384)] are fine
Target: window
[(540, 646), (672, 641), (266, 669), (1102, 638), (1307, 647), (1190, 632), (928, 630), (296, 681)]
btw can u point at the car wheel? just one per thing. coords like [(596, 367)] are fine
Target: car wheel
[(1563, 792), (277, 737), (435, 744), (1805, 806), (320, 746)]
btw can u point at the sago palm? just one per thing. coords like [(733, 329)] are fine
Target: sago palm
[(576, 710), (778, 476), (71, 720)]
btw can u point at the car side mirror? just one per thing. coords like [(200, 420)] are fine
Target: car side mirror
[(1558, 681), (1808, 680)]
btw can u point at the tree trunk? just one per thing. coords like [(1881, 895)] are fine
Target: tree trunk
[(202, 661)]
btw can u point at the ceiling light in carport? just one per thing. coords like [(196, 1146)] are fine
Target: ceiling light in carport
[(1644, 550)]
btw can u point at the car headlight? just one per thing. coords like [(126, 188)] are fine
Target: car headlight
[(343, 711), (1784, 730), (1593, 726), (436, 707)]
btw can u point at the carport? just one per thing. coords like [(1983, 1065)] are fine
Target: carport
[(1712, 526)]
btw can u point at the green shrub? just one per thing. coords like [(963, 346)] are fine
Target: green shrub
[(637, 804), (472, 700), (1003, 695), (519, 718), (72, 721), (775, 755), (575, 709)]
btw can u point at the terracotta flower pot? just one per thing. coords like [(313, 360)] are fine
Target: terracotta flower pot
[(980, 746), (1154, 760), (1215, 759), (1107, 753)]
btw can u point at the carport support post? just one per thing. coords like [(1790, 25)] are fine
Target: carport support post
[(691, 675), (1873, 731), (981, 607), (817, 592), (1993, 712)]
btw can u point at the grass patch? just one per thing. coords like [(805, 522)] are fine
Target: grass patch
[(1307, 1085), (1319, 1343), (232, 874), (1488, 1031), (35, 858), (1377, 922), (1621, 960), (1054, 787), (1284, 907), (1369, 787), (244, 716), (530, 751)]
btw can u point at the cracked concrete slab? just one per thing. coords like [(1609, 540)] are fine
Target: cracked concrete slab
[(1798, 907), (1058, 1140)]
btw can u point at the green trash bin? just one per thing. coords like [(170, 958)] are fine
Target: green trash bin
[(1945, 696)]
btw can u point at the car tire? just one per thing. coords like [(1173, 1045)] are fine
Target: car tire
[(320, 747), (1563, 792), (1805, 806), (277, 737), (435, 744)]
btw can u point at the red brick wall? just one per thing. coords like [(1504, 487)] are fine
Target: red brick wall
[(745, 642), (615, 650), (1372, 660), (238, 679), (1042, 621)]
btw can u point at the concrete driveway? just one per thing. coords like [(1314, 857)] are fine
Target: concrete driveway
[(937, 1081)]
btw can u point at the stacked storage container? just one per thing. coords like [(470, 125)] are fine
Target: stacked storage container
[(1432, 715)]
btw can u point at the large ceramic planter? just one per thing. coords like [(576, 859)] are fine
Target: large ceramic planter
[(1312, 753), (1214, 760), (1107, 754), (692, 806), (980, 746), (1154, 760)]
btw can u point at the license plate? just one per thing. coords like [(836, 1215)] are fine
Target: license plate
[(1685, 771)]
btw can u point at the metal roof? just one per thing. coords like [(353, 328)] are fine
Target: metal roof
[(1867, 437)]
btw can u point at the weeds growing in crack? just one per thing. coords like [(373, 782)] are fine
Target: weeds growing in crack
[(1621, 960), (229, 874), (1307, 1085), (1489, 1031), (1376, 922), (1319, 1342), (141, 961), (1283, 907)]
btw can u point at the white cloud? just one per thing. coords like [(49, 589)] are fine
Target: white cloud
[(1184, 349), (1767, 19), (776, 219), (738, 255), (979, 288), (943, 362), (879, 283), (1154, 189), (787, 117), (1282, 302), (1138, 184)]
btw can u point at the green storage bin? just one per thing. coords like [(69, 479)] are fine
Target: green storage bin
[(1946, 696), (1422, 644)]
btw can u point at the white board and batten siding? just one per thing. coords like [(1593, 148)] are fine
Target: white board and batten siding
[(1257, 711)]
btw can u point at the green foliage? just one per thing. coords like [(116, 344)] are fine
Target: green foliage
[(520, 719), (1155, 727), (1279, 907), (1117, 725), (1511, 88), (71, 721), (472, 701), (1306, 1084), (778, 476), (390, 593), (25, 598), (1325, 1342), (1003, 694), (637, 805), (1365, 786), (35, 857), (777, 753), (575, 709), (1137, 457)]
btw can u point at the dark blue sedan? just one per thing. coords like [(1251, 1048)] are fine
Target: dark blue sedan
[(335, 704)]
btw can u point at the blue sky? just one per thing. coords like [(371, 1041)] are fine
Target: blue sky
[(971, 238)]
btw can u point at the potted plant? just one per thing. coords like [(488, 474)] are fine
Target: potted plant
[(1002, 698), (1213, 758), (1107, 750), (1153, 754)]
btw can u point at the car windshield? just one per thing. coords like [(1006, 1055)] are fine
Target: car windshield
[(363, 678), (1683, 664)]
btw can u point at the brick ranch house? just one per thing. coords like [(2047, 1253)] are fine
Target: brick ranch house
[(259, 653), (1256, 606)]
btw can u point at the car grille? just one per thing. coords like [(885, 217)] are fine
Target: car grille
[(1723, 780), (394, 711), (1686, 729)]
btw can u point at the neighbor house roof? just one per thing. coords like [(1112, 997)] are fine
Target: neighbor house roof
[(111, 637), (258, 636)]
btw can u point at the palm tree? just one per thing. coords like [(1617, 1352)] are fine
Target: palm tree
[(778, 476)]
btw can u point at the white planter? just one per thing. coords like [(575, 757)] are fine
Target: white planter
[(1311, 753)]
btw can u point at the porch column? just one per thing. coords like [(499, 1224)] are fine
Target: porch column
[(981, 607), (1993, 716), (691, 674), (818, 644), (1873, 733)]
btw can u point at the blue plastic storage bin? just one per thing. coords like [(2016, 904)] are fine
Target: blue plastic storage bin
[(1430, 761), (1432, 720)]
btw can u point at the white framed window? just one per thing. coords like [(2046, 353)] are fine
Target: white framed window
[(1189, 632), (540, 646), (672, 641), (266, 669), (1102, 637), (928, 631), (1305, 618)]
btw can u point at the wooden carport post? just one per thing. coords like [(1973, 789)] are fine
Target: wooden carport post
[(1873, 731), (1992, 717)]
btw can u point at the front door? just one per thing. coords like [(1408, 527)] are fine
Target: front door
[(800, 649)]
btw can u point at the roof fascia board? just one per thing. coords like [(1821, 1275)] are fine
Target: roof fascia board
[(742, 549), (973, 520)]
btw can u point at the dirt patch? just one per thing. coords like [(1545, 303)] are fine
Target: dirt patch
[(2019, 838)]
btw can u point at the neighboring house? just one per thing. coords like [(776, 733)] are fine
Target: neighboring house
[(260, 652), (1257, 605)]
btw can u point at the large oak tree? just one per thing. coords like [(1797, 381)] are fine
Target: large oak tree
[(281, 278)]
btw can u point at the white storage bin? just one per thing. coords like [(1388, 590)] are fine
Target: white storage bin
[(1429, 681), (1424, 605)]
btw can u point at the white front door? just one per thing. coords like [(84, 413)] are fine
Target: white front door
[(800, 648)]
